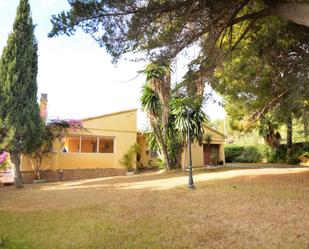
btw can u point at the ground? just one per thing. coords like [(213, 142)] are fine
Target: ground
[(244, 208)]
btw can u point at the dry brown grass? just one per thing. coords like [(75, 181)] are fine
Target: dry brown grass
[(266, 208)]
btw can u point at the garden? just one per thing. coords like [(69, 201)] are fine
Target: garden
[(255, 208)]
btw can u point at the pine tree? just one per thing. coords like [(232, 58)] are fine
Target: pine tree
[(22, 126)]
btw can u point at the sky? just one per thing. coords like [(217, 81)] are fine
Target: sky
[(77, 74)]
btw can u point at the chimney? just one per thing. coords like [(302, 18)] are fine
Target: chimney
[(43, 106)]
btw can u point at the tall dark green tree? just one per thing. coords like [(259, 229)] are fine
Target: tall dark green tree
[(22, 126)]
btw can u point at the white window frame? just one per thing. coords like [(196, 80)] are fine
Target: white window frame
[(98, 145)]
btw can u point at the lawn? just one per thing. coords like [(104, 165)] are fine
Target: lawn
[(255, 208)]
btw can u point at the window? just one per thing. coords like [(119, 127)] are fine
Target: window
[(84, 144), (106, 145), (71, 144), (89, 145)]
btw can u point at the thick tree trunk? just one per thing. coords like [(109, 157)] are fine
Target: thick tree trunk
[(16, 159), (162, 144), (293, 11), (163, 89), (289, 138)]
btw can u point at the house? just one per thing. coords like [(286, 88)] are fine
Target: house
[(97, 150), (212, 146), (93, 152)]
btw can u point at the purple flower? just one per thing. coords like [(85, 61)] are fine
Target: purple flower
[(74, 123), (3, 157)]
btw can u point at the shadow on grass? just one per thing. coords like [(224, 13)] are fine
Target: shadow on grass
[(168, 180)]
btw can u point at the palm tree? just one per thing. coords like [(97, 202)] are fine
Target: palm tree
[(182, 122), (152, 106), (167, 115)]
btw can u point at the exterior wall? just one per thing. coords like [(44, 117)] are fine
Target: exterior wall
[(119, 126), (198, 152), (146, 159), (197, 155), (75, 174), (221, 153)]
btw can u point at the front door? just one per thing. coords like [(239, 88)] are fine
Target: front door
[(208, 150)]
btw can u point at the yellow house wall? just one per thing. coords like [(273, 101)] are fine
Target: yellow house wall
[(124, 121), (146, 159), (121, 127), (49, 162), (198, 154), (197, 150)]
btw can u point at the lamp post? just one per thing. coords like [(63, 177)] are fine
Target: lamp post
[(191, 182)]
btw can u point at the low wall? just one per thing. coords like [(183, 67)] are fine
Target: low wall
[(72, 174)]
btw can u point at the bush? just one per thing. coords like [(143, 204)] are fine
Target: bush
[(280, 155), (277, 156), (127, 159), (260, 153), (245, 154)]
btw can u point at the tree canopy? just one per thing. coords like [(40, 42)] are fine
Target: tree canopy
[(268, 79), (163, 29)]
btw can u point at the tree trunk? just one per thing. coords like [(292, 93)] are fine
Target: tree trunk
[(162, 144), (306, 130), (16, 159), (295, 12), (178, 158), (289, 139), (163, 89)]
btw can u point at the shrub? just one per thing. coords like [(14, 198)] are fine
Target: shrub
[(277, 156), (127, 159), (260, 153), (280, 155), (244, 154), (214, 157)]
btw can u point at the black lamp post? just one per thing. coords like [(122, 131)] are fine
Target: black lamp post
[(191, 182)]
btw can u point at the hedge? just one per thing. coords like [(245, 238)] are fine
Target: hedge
[(245, 154), (263, 153)]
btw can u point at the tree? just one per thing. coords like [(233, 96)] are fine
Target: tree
[(268, 80), (167, 112), (155, 101), (163, 29), (22, 126)]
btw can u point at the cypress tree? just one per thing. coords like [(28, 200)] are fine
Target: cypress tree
[(22, 126)]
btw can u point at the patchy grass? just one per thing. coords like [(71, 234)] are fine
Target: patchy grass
[(264, 208)]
